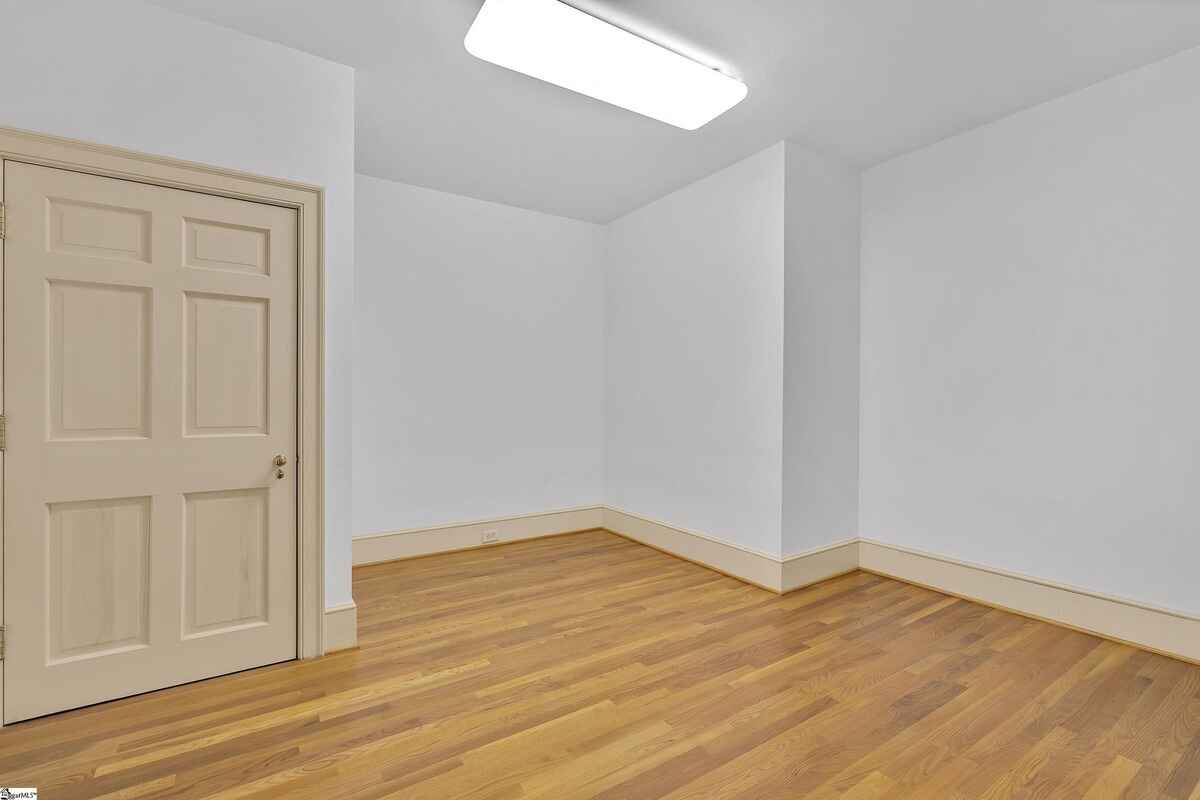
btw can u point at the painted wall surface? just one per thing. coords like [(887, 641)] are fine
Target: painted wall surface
[(1028, 330), (479, 331), (694, 353), (1031, 397), (820, 352), (126, 74)]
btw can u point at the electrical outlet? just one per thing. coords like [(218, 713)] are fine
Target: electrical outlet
[(490, 536)]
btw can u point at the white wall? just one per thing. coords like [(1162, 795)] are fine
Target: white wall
[(1030, 381), (131, 75), (694, 350), (479, 335), (1029, 331), (821, 339)]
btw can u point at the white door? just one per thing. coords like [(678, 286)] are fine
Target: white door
[(150, 383)]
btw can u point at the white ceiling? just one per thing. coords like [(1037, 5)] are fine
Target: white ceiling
[(863, 79)]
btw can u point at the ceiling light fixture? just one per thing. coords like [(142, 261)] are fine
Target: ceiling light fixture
[(556, 43)]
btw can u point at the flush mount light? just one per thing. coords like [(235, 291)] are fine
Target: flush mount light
[(562, 45)]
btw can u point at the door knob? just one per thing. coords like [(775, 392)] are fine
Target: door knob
[(280, 460)]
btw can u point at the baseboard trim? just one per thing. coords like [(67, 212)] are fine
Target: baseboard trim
[(1167, 632), (764, 570), (416, 542), (821, 564), (751, 566), (341, 627)]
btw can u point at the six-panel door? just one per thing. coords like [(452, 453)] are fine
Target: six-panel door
[(150, 538)]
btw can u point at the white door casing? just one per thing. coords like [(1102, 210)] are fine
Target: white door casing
[(151, 362)]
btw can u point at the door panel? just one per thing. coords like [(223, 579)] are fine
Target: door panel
[(224, 529), (228, 364), (98, 363), (98, 231), (98, 585), (150, 382)]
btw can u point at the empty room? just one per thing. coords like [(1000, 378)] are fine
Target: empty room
[(600, 399)]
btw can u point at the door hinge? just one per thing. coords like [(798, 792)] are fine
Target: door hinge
[(1, 642), (3, 226), (3, 433)]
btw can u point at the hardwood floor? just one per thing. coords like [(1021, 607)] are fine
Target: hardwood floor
[(586, 666)]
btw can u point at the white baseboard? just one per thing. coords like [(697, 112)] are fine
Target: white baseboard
[(1165, 631), (1171, 633), (752, 566), (415, 542), (768, 571), (821, 564), (341, 628)]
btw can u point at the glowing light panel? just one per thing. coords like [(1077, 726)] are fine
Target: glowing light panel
[(562, 45)]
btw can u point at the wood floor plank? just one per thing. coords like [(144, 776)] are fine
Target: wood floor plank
[(1119, 773), (590, 667)]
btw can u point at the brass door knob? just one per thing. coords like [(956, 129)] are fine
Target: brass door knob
[(280, 460)]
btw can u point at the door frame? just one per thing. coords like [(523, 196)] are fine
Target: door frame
[(309, 203)]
